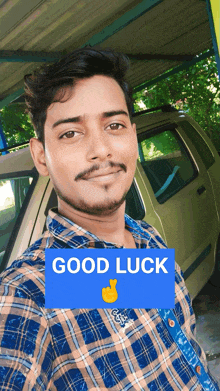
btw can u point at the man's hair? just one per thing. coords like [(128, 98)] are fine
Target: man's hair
[(41, 87)]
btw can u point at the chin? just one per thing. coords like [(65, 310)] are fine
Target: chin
[(99, 209), (104, 208)]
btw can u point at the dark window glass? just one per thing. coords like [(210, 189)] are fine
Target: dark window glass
[(166, 162)]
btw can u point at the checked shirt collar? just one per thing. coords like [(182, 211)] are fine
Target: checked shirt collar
[(76, 237)]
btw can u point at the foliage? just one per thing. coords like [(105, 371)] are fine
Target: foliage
[(159, 145), (2, 182), (16, 124), (196, 91)]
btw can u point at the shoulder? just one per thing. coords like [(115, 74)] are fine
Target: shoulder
[(152, 232), (25, 277)]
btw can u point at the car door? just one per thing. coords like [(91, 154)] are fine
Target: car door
[(182, 197), (20, 198)]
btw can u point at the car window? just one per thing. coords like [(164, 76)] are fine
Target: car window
[(166, 162), (13, 192)]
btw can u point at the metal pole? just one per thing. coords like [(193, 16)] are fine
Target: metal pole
[(3, 142), (213, 6)]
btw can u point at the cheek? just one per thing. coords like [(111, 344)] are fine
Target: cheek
[(57, 156), (60, 165), (131, 151), (127, 144)]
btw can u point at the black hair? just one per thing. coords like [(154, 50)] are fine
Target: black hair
[(42, 86)]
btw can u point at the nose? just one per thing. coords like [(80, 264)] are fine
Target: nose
[(98, 146)]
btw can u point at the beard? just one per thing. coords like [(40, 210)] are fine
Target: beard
[(104, 208)]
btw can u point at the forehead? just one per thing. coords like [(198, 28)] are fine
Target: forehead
[(89, 97)]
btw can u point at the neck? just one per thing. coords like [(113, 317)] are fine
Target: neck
[(109, 228)]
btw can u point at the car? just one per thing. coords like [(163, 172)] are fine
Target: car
[(176, 189)]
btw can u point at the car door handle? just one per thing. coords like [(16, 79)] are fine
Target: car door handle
[(201, 189)]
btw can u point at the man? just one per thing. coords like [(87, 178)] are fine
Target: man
[(81, 109)]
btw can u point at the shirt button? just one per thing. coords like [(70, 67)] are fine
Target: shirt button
[(198, 369), (171, 322)]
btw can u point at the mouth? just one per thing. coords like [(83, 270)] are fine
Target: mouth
[(103, 176)]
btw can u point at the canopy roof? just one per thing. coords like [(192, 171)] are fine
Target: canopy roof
[(157, 35)]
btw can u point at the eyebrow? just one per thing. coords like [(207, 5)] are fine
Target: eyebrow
[(78, 119)]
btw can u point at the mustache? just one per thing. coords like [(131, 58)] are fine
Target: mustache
[(96, 167)]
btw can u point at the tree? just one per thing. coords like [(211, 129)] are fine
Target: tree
[(16, 124), (196, 91)]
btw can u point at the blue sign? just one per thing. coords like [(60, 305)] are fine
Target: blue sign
[(109, 278)]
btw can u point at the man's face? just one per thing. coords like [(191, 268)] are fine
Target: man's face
[(91, 146)]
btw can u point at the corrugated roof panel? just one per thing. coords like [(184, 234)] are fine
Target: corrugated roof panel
[(55, 21), (156, 30), (13, 74), (12, 13), (171, 27), (80, 29), (147, 70), (50, 25)]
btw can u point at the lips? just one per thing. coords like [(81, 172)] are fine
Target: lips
[(105, 174)]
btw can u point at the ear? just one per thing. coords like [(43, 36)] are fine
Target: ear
[(134, 129), (38, 156)]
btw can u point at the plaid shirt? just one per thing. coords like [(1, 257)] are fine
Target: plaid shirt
[(93, 349)]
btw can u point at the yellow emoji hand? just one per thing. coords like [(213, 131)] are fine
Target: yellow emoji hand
[(110, 295)]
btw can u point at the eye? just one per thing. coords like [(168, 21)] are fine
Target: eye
[(116, 126), (69, 134)]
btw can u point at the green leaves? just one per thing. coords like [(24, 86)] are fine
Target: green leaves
[(16, 124), (196, 91)]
